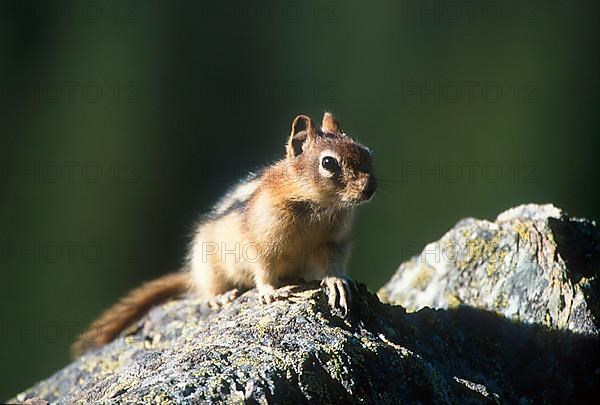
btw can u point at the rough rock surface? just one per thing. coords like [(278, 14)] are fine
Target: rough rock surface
[(299, 350), (533, 264)]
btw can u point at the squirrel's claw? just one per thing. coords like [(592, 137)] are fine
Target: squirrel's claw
[(220, 301), (339, 292), (266, 298), (266, 294)]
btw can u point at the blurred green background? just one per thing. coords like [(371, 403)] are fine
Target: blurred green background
[(122, 121)]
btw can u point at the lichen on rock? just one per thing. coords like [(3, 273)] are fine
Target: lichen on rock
[(533, 264)]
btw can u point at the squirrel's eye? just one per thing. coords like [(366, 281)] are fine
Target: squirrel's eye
[(330, 164)]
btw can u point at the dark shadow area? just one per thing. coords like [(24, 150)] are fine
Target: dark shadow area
[(511, 359), (578, 243)]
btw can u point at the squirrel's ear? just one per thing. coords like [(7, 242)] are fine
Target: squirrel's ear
[(303, 132), (330, 124)]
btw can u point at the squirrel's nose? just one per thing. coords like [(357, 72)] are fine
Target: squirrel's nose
[(370, 187)]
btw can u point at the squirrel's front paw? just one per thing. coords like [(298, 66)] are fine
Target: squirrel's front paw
[(220, 301), (339, 292), (268, 294)]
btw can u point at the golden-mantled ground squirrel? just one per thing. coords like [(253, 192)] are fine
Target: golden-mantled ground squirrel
[(288, 223)]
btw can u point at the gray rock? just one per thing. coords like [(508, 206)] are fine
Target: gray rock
[(294, 350), (299, 350), (534, 264)]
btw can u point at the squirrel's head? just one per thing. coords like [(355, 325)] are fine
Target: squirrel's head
[(334, 170)]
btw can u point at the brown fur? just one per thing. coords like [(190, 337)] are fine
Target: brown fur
[(130, 308), (292, 222)]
